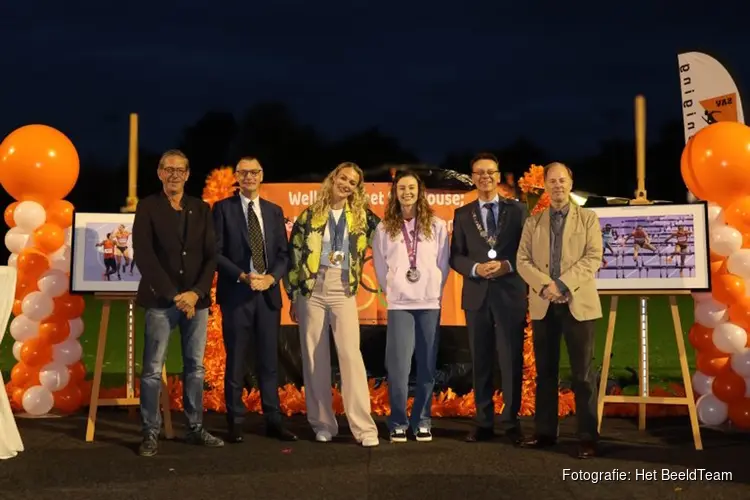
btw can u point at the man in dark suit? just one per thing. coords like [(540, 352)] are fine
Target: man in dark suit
[(252, 257), (173, 240), (485, 239)]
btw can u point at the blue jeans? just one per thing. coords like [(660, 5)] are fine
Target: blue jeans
[(411, 332), (159, 325)]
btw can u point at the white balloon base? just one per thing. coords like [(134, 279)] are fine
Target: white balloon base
[(51, 414)]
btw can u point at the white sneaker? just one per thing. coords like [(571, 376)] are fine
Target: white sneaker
[(423, 435), (369, 442), (323, 437)]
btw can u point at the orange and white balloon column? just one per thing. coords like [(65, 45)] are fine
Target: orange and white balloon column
[(39, 166), (716, 167)]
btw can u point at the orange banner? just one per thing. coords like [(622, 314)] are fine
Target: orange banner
[(294, 198)]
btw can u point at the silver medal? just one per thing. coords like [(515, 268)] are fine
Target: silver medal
[(336, 257), (492, 253), (412, 275)]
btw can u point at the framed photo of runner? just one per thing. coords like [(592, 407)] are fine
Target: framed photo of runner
[(654, 247), (102, 254)]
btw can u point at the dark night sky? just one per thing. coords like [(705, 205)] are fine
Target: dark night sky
[(437, 75)]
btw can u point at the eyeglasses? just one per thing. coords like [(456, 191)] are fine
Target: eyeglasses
[(179, 172), (480, 173), (249, 173)]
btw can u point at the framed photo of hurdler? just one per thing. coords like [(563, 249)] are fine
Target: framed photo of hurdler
[(654, 247), (102, 254)]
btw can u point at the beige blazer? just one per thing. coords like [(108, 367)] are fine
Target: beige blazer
[(581, 259)]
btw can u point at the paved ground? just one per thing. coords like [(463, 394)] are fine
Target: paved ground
[(59, 464)]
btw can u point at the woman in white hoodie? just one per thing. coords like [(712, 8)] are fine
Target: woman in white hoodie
[(410, 253)]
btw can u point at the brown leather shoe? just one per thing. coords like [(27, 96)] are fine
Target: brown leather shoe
[(587, 449), (539, 442), (480, 434)]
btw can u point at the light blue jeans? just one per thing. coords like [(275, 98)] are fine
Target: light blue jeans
[(411, 333), (159, 325)]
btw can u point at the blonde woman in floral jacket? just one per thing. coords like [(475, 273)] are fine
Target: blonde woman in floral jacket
[(327, 250)]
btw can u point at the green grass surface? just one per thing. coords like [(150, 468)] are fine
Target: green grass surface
[(664, 364)]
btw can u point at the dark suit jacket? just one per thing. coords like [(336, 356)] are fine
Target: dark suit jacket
[(172, 258), (234, 254), (469, 248)]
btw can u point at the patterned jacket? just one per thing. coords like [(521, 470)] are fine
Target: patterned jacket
[(306, 248)]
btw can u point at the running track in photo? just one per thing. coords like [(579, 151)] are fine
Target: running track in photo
[(96, 245), (654, 246)]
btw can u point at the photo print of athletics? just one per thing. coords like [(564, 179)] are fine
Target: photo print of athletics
[(651, 246), (109, 253)]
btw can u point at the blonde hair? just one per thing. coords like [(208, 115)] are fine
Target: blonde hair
[(358, 201)]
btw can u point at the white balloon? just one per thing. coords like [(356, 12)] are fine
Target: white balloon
[(729, 338), (29, 215), (16, 239), (715, 214), (17, 350), (701, 296), (13, 260), (725, 240), (76, 328), (711, 313), (60, 259), (711, 410), (702, 383), (741, 363), (23, 328), (37, 400), (54, 376), (739, 263), (53, 282), (37, 306), (67, 352)]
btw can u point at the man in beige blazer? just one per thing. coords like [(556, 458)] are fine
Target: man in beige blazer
[(558, 257)]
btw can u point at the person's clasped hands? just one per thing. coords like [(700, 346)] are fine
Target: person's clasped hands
[(552, 293), (186, 303), (493, 269)]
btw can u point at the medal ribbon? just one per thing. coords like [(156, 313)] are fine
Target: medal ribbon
[(337, 231), (411, 245), (491, 239)]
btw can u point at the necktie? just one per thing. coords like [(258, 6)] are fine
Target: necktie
[(491, 224), (257, 249)]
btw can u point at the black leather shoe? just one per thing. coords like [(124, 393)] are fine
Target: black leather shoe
[(280, 433), (539, 442), (514, 437), (235, 434), (587, 449), (480, 434)]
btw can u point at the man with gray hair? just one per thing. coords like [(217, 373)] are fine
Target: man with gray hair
[(173, 240), (558, 257)]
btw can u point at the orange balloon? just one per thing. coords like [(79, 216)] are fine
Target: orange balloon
[(739, 313), (739, 413), (25, 284), (60, 212), (77, 373), (715, 257), (728, 386), (68, 399), (36, 353), (38, 163), (69, 306), (8, 215), (54, 332), (737, 214), (718, 267), (719, 159), (709, 365), (686, 170), (701, 338), (17, 310), (727, 288), (49, 237), (17, 396), (23, 375), (32, 262)]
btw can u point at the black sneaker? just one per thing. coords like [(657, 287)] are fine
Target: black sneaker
[(398, 436), (423, 434), (201, 437), (149, 446)]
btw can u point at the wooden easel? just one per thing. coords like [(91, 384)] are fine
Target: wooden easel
[(130, 399), (643, 397)]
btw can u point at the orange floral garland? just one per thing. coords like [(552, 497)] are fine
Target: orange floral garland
[(220, 184)]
